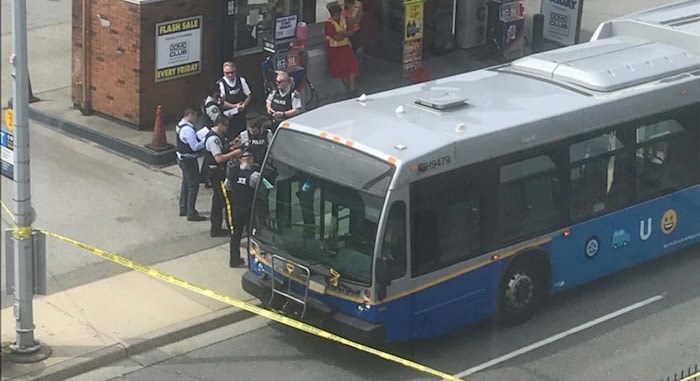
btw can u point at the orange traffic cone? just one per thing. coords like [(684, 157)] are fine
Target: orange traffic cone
[(159, 141)]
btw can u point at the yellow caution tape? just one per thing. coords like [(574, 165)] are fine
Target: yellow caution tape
[(7, 210), (243, 305), (22, 232), (250, 308), (690, 377)]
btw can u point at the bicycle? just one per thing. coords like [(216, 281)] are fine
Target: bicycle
[(300, 81)]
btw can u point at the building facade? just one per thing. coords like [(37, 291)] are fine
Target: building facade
[(129, 56)]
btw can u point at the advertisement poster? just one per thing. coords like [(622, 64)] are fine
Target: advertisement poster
[(7, 148), (178, 48), (414, 20), (561, 20), (413, 35), (412, 51)]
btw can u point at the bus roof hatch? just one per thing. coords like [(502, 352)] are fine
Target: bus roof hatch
[(442, 100)]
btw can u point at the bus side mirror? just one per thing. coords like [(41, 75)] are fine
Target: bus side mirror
[(383, 278)]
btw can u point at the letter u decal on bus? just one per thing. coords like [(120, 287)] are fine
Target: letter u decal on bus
[(642, 234)]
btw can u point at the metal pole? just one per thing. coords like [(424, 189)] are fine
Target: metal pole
[(24, 216)]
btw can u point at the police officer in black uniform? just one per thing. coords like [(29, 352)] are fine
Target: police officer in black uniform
[(219, 152), (284, 102), (237, 96), (242, 180), (256, 139)]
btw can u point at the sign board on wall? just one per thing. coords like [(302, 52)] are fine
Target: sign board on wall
[(178, 48), (413, 34), (561, 20), (285, 27), (414, 20)]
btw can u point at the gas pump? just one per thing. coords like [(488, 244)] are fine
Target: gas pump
[(506, 24)]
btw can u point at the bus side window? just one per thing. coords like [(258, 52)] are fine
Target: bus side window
[(663, 163), (394, 242), (530, 198), (446, 222), (599, 176)]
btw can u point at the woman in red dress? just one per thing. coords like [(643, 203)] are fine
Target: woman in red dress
[(341, 60)]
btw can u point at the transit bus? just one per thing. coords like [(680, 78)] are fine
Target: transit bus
[(412, 212)]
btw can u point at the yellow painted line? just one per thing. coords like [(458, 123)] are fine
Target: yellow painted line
[(249, 307)]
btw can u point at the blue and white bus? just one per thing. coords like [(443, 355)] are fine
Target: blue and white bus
[(412, 212)]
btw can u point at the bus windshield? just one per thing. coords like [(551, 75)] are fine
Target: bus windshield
[(324, 204)]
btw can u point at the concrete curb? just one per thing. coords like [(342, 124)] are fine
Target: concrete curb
[(120, 351), (142, 154)]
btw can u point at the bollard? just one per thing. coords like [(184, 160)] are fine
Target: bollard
[(537, 32)]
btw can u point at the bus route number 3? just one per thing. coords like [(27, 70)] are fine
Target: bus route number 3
[(435, 163)]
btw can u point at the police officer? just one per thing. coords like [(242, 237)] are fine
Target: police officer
[(242, 181), (188, 148), (212, 108), (237, 96), (284, 102), (219, 152), (255, 139)]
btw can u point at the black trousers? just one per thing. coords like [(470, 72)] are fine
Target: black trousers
[(241, 217), (220, 201), (236, 124)]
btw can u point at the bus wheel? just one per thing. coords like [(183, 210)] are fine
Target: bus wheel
[(521, 289)]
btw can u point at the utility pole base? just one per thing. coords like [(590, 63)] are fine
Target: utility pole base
[(41, 353)]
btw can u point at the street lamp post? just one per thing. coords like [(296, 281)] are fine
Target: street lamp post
[(25, 344)]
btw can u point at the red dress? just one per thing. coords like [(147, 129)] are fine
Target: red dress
[(341, 59)]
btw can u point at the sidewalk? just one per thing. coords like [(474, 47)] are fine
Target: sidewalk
[(99, 323)]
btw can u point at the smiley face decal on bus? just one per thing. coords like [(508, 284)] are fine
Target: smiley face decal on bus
[(669, 221)]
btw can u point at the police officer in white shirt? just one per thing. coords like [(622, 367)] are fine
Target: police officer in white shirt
[(237, 96), (284, 102), (188, 148)]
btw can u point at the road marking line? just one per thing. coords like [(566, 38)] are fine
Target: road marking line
[(559, 336)]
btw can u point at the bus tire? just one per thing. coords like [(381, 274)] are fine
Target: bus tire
[(522, 288)]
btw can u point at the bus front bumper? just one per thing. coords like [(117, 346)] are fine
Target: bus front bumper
[(320, 313)]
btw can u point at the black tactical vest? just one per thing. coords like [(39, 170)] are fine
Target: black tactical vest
[(281, 102), (233, 94), (241, 191), (183, 147)]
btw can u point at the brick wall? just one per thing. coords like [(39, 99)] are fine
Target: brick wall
[(114, 58), (121, 58)]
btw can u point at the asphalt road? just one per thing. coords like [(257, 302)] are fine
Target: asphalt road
[(641, 341)]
